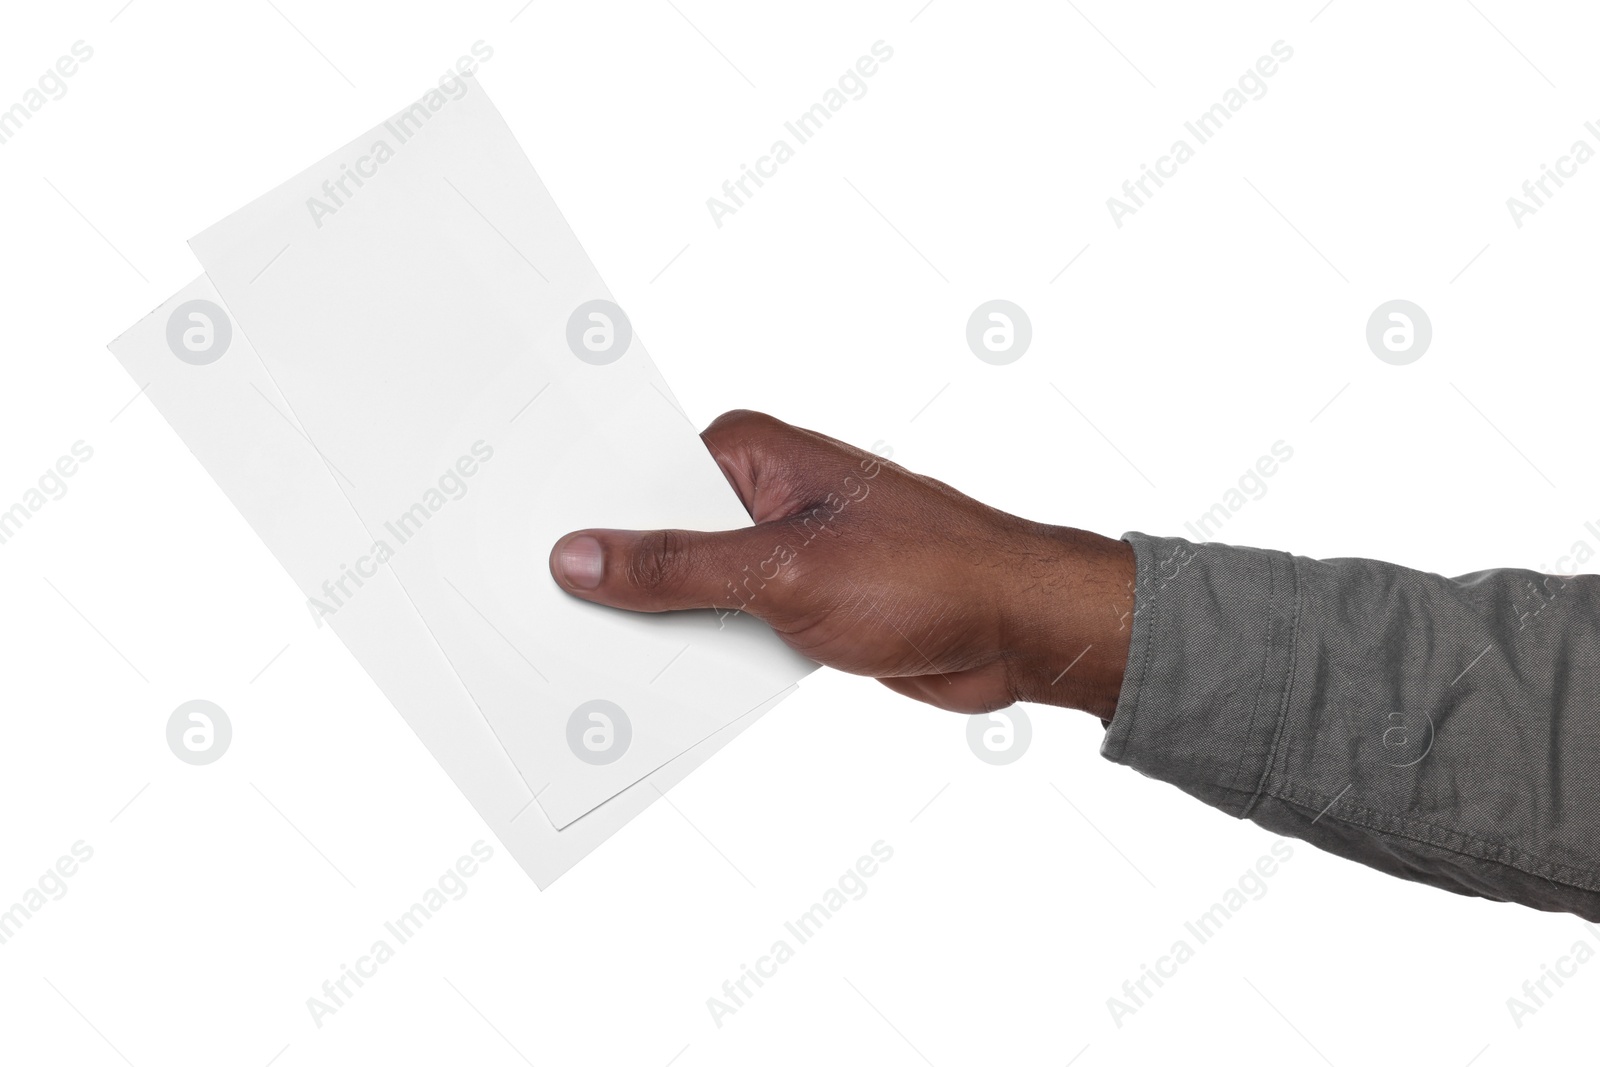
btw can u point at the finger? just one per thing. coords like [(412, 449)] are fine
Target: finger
[(772, 465), (735, 440), (670, 570)]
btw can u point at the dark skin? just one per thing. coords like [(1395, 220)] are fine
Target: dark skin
[(864, 566)]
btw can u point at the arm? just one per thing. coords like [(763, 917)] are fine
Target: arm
[(1441, 730), (1444, 730)]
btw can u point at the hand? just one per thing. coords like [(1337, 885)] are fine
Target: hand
[(864, 566)]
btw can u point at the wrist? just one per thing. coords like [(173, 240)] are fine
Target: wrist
[(1069, 621)]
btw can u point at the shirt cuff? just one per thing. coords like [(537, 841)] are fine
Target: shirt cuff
[(1206, 684)]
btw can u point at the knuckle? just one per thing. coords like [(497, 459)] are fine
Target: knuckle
[(786, 566), (796, 576), (740, 417), (810, 555), (744, 423), (658, 562)]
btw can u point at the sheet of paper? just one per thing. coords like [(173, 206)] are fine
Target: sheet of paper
[(438, 331), (231, 416)]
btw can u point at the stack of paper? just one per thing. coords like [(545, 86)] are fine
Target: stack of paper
[(404, 371)]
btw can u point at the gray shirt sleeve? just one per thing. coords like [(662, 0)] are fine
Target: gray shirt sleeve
[(1444, 730)]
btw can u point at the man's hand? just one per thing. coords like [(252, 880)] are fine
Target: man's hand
[(864, 566)]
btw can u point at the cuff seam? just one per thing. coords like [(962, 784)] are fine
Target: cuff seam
[(1286, 689), (1255, 705), (1138, 646)]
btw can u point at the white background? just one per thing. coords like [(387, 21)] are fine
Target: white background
[(1227, 314)]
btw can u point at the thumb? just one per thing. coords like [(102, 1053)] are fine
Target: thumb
[(657, 570)]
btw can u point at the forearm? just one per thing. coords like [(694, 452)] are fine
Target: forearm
[(1443, 730)]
